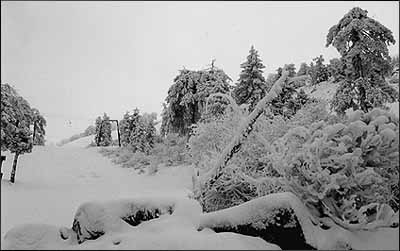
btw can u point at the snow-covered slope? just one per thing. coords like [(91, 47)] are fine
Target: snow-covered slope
[(326, 90), (85, 141)]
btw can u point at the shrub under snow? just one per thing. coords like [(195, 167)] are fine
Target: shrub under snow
[(248, 173), (348, 171)]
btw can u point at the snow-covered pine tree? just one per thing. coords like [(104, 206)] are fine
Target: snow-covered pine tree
[(137, 137), (183, 109), (148, 121), (336, 69), (105, 132), (187, 97), (164, 120), (319, 71), (124, 127), (39, 123), (97, 137), (213, 80), (291, 68), (286, 103), (303, 70), (250, 88), (16, 117), (363, 44)]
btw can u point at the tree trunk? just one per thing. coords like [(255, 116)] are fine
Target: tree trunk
[(245, 129), (14, 167)]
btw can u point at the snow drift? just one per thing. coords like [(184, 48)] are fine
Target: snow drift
[(178, 223)]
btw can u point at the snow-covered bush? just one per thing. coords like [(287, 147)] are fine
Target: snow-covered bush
[(347, 171), (249, 173), (172, 151), (125, 157)]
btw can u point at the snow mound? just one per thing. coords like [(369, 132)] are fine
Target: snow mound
[(142, 223)]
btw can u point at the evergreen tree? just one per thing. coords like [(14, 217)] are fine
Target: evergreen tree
[(106, 139), (362, 43), (183, 110), (149, 122), (97, 137), (213, 81), (125, 129), (16, 117), (39, 123), (303, 70), (250, 87), (291, 68), (336, 69), (165, 119), (186, 100), (289, 101), (319, 71)]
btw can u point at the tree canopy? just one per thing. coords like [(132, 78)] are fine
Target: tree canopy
[(363, 44), (186, 99)]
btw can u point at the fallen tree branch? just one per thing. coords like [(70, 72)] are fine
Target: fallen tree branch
[(245, 129)]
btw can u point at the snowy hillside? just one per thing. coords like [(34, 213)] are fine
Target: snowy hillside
[(326, 90)]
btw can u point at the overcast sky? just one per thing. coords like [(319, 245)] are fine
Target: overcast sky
[(75, 60)]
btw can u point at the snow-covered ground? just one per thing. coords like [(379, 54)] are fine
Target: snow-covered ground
[(51, 182)]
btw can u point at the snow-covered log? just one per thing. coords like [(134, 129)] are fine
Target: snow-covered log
[(282, 219)]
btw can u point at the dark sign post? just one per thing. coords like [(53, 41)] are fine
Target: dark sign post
[(111, 120)]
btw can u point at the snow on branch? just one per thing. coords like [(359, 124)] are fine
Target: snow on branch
[(245, 129)]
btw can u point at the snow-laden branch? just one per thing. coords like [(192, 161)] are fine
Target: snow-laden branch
[(245, 129)]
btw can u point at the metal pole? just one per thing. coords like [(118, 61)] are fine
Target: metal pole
[(119, 140)]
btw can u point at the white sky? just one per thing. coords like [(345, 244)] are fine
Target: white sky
[(75, 60)]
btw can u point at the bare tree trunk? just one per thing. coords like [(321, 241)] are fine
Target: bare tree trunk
[(14, 167), (245, 129)]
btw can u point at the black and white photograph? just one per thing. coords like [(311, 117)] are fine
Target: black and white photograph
[(199, 125)]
